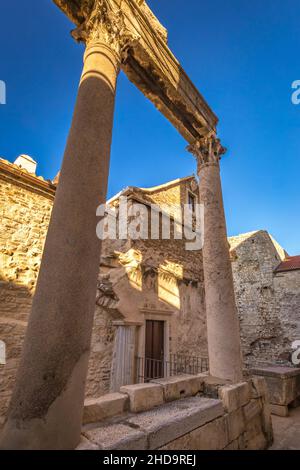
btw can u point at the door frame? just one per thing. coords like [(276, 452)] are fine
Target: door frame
[(155, 315)]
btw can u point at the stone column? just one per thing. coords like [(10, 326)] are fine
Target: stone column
[(46, 407), (223, 335)]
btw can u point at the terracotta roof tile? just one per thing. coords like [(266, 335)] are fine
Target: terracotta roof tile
[(291, 263)]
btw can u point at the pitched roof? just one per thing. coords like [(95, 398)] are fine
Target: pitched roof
[(153, 189), (291, 263)]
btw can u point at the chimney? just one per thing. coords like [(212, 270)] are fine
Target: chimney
[(27, 163)]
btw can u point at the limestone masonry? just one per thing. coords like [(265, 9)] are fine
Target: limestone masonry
[(181, 413), (141, 281), (268, 298)]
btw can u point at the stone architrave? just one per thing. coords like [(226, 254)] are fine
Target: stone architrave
[(223, 335), (152, 67)]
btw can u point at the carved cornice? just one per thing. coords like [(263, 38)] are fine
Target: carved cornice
[(208, 151), (104, 23)]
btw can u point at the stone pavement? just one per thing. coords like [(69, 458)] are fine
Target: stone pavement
[(287, 431)]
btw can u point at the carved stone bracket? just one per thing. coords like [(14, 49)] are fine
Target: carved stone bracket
[(207, 151), (104, 23)]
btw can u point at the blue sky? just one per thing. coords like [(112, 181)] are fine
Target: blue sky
[(243, 56)]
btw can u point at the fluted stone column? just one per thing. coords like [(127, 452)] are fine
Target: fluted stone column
[(223, 333), (47, 402)]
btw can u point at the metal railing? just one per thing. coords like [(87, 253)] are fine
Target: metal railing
[(178, 364)]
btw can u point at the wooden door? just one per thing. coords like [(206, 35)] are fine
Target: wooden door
[(154, 350)]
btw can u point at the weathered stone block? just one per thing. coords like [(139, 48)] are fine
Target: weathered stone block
[(211, 436), (252, 409), (234, 445), (117, 436), (212, 385), (234, 396), (282, 382), (173, 420), (97, 409), (267, 426), (235, 424), (143, 397), (258, 442), (254, 437), (259, 388), (241, 441), (85, 444), (279, 410), (180, 387)]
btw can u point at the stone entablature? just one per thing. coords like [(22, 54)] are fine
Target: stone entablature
[(151, 66)]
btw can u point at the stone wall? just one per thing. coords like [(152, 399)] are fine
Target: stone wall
[(164, 279), (25, 210), (139, 279), (268, 302), (182, 413), (287, 289), (175, 194)]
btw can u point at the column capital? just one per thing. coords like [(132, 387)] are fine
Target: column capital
[(104, 23), (208, 151)]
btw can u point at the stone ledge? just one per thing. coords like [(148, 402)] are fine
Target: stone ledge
[(143, 397), (234, 396), (211, 436), (283, 385), (194, 423), (116, 436), (175, 388), (276, 371), (98, 409), (152, 429), (173, 420)]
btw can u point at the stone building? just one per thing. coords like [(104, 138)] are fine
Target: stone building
[(267, 288), (146, 288)]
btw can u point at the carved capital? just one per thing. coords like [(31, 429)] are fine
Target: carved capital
[(207, 151), (104, 23)]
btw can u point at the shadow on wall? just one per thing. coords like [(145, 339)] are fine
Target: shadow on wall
[(15, 305), (263, 304)]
